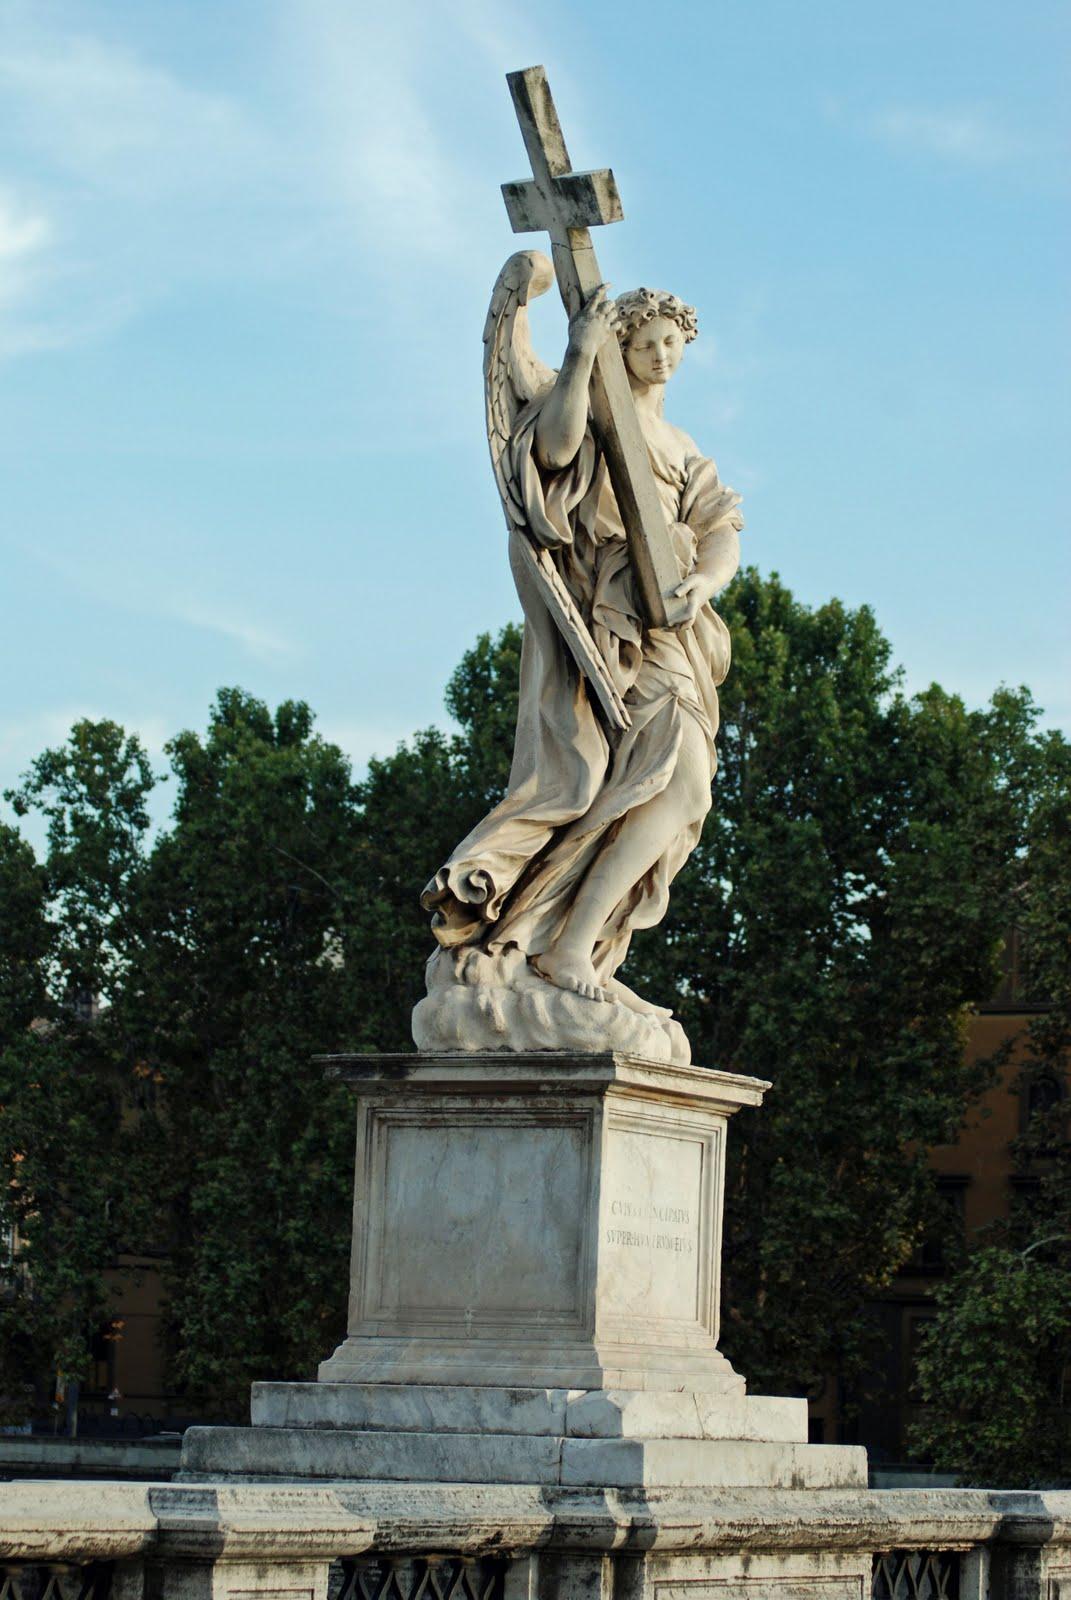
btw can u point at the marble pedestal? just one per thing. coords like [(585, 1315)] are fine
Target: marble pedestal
[(534, 1291), (548, 1221)]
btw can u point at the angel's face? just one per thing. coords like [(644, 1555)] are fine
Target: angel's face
[(653, 353)]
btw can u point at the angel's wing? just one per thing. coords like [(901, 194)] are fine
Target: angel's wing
[(513, 376)]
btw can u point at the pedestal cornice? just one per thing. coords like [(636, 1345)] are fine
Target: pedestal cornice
[(550, 1072)]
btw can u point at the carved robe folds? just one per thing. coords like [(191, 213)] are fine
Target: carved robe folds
[(509, 884), (511, 881)]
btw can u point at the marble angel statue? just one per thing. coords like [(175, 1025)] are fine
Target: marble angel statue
[(614, 752)]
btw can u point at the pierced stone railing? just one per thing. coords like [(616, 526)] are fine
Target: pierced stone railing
[(376, 1541), (426, 1577), (20, 1580), (917, 1575)]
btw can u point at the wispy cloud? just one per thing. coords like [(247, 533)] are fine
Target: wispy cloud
[(25, 233), (125, 162), (260, 642), (968, 136), (398, 144), (962, 136), (23, 738), (391, 112), (375, 143), (343, 143), (22, 232), (102, 114), (114, 579)]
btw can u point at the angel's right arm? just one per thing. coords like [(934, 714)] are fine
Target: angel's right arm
[(563, 419)]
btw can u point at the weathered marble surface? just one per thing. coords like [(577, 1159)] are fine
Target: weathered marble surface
[(590, 1414), (215, 1540), (217, 1524), (534, 1291), (380, 1455), (542, 1221)]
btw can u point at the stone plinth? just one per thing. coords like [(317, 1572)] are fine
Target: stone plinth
[(440, 1433), (550, 1461), (534, 1292), (548, 1221)]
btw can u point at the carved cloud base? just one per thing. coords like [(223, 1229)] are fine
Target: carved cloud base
[(477, 1003)]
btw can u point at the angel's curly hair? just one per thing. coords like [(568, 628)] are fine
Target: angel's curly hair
[(643, 305)]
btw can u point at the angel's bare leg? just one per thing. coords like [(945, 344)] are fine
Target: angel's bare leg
[(644, 835)]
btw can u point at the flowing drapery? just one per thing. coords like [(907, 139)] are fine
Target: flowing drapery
[(512, 880)]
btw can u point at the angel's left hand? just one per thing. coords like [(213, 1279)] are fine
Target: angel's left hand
[(696, 591)]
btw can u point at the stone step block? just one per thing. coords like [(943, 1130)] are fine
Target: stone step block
[(600, 1414), (549, 1459), (410, 1407)]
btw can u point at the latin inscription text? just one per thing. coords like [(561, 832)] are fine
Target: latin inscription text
[(639, 1238)]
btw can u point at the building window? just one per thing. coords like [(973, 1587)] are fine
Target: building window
[(944, 1231), (1042, 1096), (103, 1356), (1015, 990)]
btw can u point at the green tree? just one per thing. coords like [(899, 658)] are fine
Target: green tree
[(244, 970), (843, 911), (415, 805), (996, 1362), (25, 935), (25, 938), (993, 1370), (93, 793), (281, 919), (169, 1096), (841, 914), (69, 1184)]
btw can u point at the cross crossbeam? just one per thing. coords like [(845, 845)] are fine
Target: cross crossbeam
[(581, 200), (566, 204)]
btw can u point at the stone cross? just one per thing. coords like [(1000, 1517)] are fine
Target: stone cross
[(567, 204)]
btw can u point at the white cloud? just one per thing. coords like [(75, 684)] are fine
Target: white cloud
[(113, 578), (355, 143), (127, 161), (42, 302), (970, 137), (25, 234), (374, 142), (260, 642), (22, 232), (395, 142), (99, 113)]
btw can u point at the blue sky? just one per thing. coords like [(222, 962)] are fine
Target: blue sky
[(245, 255)]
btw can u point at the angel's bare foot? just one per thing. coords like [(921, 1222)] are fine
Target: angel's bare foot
[(616, 990), (568, 969)]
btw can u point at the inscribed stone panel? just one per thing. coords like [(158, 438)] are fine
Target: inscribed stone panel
[(651, 1234)]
